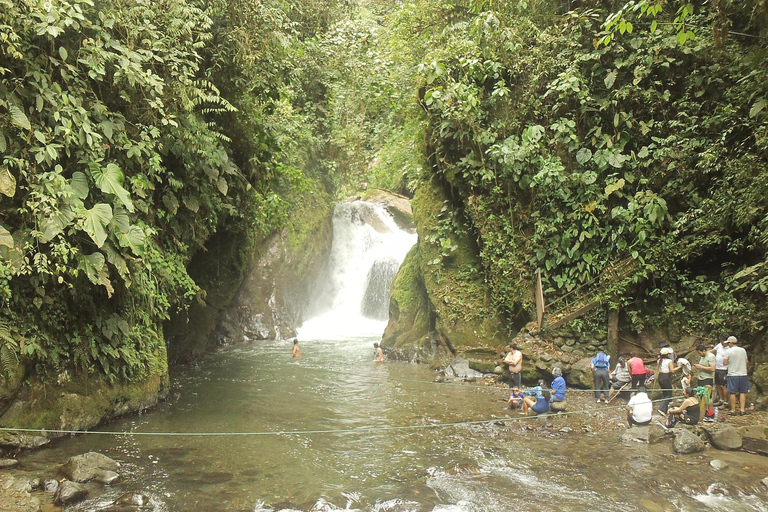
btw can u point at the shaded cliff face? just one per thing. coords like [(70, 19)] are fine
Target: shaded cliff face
[(439, 305)]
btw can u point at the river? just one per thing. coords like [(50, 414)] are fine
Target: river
[(368, 462)]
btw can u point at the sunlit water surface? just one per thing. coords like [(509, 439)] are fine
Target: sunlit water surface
[(259, 388)]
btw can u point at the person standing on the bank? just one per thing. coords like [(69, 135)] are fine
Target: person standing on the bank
[(636, 370), (721, 372), (738, 382), (514, 360), (706, 367), (600, 365), (666, 369)]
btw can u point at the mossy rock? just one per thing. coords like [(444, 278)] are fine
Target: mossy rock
[(483, 366)]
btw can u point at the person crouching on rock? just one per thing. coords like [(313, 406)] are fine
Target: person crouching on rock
[(558, 385), (516, 398), (537, 399), (639, 408), (687, 413)]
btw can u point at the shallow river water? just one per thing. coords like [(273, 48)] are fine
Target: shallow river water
[(368, 462)]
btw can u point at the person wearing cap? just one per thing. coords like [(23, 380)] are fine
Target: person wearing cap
[(737, 380), (666, 369), (721, 372)]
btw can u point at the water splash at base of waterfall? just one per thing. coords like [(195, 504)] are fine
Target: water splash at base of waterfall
[(368, 247)]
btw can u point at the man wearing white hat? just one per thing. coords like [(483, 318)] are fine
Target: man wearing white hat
[(738, 382)]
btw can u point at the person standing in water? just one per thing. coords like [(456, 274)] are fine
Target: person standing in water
[(296, 349), (378, 354)]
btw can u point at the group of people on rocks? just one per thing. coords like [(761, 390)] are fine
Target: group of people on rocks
[(721, 380)]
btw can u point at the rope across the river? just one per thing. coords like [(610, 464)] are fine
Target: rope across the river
[(356, 430)]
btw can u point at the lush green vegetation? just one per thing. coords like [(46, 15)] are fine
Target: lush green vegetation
[(572, 144), (131, 131), (568, 141)]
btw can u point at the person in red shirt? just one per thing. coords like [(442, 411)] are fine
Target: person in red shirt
[(636, 370)]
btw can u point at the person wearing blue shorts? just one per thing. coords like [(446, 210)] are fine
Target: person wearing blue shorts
[(537, 399), (737, 380)]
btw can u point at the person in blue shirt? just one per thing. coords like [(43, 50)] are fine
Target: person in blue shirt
[(558, 385), (602, 377), (537, 399)]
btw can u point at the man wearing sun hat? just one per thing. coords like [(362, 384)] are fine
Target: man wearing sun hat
[(737, 380)]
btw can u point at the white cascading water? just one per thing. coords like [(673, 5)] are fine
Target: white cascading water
[(368, 247)]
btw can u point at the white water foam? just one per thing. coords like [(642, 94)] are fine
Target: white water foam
[(363, 233)]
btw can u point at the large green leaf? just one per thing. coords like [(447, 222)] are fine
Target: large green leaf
[(134, 239), (79, 184), (18, 117), (121, 222), (95, 222), (110, 180), (7, 182), (96, 270), (116, 259), (5, 238), (56, 223)]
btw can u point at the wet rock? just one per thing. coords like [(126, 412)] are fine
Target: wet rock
[(22, 440), (656, 434), (15, 497), (581, 374), (687, 442), (461, 370), (106, 477), (50, 485), (755, 439), (636, 434), (86, 467), (69, 492), (718, 464), (133, 500), (8, 463), (765, 481), (558, 406), (566, 430), (724, 438)]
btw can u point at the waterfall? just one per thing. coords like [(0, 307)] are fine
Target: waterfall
[(368, 247)]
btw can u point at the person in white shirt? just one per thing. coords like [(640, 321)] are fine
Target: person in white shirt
[(738, 382), (639, 408), (721, 372)]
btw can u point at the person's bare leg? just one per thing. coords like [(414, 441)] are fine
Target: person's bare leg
[(733, 402), (743, 401)]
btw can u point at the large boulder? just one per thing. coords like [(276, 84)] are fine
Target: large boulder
[(726, 438), (650, 434), (755, 439), (581, 375), (89, 466), (69, 492), (687, 442)]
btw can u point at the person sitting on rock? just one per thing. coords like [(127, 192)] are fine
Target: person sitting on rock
[(620, 377), (516, 398), (558, 385), (639, 408), (687, 413), (537, 399)]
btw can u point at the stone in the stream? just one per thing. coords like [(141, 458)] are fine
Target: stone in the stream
[(755, 439), (718, 464), (687, 442), (51, 485), (635, 434), (69, 492), (133, 499), (724, 439), (22, 440), (83, 468), (765, 481), (8, 463), (106, 477)]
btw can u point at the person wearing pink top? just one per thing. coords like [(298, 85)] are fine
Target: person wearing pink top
[(636, 370)]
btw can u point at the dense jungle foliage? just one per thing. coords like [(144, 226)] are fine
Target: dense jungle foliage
[(578, 138), (573, 138)]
